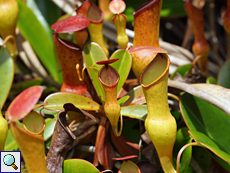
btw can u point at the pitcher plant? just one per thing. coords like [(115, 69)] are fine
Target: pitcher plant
[(95, 16), (200, 46), (70, 54), (146, 29), (8, 21), (146, 24), (160, 124), (109, 78), (117, 7)]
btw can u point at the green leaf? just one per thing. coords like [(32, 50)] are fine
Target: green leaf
[(211, 80), (169, 8), (33, 6), (224, 164), (135, 111), (10, 144), (7, 74), (223, 78), (129, 167), (213, 146), (56, 101), (130, 126), (93, 53), (50, 122), (123, 99), (136, 96), (49, 129), (183, 138), (182, 70), (207, 125), (40, 40), (19, 87), (123, 66), (173, 8), (78, 166), (51, 15), (202, 157)]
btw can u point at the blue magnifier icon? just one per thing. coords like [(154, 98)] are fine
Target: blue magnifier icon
[(9, 160)]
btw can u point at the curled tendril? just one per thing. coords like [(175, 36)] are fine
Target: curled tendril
[(180, 153), (81, 74), (8, 38), (115, 130)]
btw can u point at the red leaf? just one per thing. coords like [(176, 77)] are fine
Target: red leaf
[(105, 62), (70, 24), (126, 157), (24, 103)]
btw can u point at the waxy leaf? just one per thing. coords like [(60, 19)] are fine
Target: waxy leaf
[(50, 124), (126, 157), (211, 80), (78, 166), (106, 62), (93, 53), (32, 148), (203, 157), (182, 70), (104, 151), (123, 99), (136, 96), (19, 87), (122, 66), (169, 8), (135, 111), (24, 103), (127, 148), (34, 7), (224, 75), (7, 74), (129, 167), (42, 42), (70, 24), (57, 100), (10, 144), (213, 94), (207, 125)]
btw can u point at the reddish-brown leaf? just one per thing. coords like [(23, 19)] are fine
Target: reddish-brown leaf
[(24, 103), (70, 24), (109, 61), (126, 157), (124, 146), (104, 151)]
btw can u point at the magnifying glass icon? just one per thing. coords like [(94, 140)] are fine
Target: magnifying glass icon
[(9, 160)]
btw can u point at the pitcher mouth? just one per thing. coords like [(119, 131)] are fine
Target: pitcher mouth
[(155, 70), (143, 6), (114, 73)]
